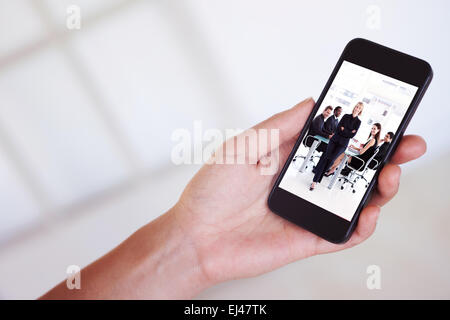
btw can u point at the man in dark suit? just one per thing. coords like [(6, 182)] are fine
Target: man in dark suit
[(318, 128), (332, 122), (318, 124)]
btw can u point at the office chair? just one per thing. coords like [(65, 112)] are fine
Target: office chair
[(370, 167), (311, 139), (359, 172)]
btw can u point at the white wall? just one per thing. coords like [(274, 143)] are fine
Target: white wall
[(86, 117)]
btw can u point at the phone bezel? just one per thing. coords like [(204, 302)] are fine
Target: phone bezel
[(378, 58)]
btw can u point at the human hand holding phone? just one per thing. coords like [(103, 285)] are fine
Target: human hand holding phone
[(221, 229), (224, 211)]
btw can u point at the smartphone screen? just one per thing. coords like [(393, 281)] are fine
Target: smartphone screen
[(354, 128), (343, 146)]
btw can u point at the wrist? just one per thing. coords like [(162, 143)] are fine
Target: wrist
[(171, 260), (156, 262)]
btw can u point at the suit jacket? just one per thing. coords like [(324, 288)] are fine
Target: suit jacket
[(317, 127), (349, 123), (382, 150), (331, 124)]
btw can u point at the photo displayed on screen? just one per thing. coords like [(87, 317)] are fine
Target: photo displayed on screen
[(348, 139)]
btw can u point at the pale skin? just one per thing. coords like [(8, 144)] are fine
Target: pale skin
[(221, 229), (361, 148), (386, 138), (327, 112)]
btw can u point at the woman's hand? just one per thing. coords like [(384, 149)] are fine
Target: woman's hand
[(224, 213), (221, 229)]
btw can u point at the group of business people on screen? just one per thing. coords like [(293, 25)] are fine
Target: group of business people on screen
[(339, 133)]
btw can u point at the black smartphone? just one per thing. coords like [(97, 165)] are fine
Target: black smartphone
[(351, 133)]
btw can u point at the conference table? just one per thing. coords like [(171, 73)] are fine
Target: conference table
[(349, 152), (317, 141)]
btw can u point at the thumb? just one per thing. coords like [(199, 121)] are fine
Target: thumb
[(289, 122)]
